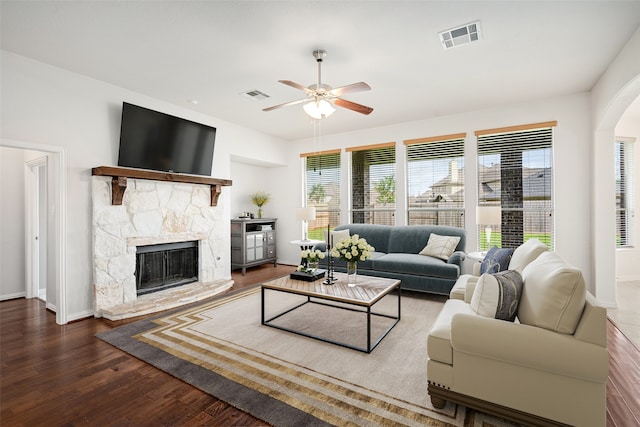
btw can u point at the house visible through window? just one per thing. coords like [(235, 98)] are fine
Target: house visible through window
[(435, 180), (322, 190), (373, 184), (515, 173), (625, 213)]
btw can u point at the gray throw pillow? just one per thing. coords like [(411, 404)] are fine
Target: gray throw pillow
[(498, 295), (496, 260)]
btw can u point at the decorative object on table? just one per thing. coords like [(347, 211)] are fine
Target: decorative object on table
[(330, 280), (306, 214), (310, 260), (488, 216), (260, 199), (352, 249), (308, 276)]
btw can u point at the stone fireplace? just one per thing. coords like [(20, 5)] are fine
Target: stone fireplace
[(154, 213)]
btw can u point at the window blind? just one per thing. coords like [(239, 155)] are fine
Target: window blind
[(515, 173), (322, 190), (625, 203), (373, 184), (435, 181)]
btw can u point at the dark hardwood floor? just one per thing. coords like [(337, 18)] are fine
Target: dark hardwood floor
[(64, 376)]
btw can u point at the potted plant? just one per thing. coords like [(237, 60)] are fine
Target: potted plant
[(260, 199)]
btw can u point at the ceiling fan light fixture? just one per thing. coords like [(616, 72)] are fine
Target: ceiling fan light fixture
[(318, 109)]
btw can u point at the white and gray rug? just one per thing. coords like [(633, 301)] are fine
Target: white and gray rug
[(286, 379)]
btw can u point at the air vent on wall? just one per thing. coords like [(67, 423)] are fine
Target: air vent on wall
[(255, 94), (458, 36)]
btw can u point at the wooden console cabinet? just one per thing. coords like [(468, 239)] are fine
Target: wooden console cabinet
[(253, 242)]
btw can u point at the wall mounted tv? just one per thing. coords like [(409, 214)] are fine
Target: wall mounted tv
[(153, 140)]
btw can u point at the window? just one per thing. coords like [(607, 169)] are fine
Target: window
[(515, 173), (322, 190), (625, 214), (373, 184), (435, 180)]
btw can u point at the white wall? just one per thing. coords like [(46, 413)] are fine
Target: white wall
[(46, 105), (12, 224)]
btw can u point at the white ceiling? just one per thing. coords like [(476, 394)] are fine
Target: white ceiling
[(214, 50)]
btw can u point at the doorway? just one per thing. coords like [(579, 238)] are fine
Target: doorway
[(36, 203), (54, 213)]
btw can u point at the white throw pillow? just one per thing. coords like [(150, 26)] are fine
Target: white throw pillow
[(336, 236), (440, 246), (554, 294), (497, 295), (525, 253)]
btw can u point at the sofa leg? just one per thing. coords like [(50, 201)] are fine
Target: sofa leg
[(438, 402)]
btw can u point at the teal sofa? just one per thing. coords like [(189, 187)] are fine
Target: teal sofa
[(397, 255)]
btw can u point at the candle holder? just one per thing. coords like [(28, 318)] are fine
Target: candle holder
[(330, 280)]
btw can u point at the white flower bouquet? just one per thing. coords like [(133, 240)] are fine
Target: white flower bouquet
[(352, 249), (310, 260)]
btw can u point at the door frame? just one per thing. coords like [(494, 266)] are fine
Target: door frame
[(57, 171)]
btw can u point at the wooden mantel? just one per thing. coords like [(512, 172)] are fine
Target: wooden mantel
[(119, 177)]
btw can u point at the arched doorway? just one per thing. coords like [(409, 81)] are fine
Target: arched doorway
[(603, 212)]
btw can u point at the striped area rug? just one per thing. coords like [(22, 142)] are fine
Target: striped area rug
[(286, 379)]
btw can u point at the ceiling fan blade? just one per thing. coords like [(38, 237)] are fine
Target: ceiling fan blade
[(286, 104), (354, 87), (295, 85), (358, 108)]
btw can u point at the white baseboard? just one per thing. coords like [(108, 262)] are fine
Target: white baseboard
[(623, 279), (80, 315), (12, 296)]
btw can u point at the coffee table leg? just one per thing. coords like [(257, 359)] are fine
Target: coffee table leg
[(398, 303), (262, 304), (369, 329)]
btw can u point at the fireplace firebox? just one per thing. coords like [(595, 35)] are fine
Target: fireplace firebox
[(165, 266)]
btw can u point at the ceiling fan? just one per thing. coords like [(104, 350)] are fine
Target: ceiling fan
[(321, 97)]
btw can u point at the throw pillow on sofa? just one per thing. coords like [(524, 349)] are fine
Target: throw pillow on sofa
[(554, 294), (496, 260), (525, 253), (497, 295), (440, 246), (335, 236)]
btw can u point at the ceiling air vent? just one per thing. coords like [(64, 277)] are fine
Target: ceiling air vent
[(255, 94), (455, 37)]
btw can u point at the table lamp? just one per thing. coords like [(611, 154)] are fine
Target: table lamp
[(488, 216), (305, 214)]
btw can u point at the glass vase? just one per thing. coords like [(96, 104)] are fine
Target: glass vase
[(259, 212), (352, 273), (313, 265)]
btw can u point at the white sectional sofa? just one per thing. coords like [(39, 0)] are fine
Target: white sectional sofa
[(548, 367)]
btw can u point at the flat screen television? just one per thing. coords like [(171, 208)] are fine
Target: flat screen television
[(153, 140)]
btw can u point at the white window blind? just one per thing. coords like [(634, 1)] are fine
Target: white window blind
[(435, 180), (625, 203), (373, 184), (322, 190), (515, 173)]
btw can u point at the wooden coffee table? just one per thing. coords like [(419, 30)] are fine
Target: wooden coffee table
[(360, 298)]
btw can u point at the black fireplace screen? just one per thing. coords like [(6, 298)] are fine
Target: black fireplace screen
[(165, 266)]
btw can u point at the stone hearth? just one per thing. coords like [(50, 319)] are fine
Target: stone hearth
[(153, 212)]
